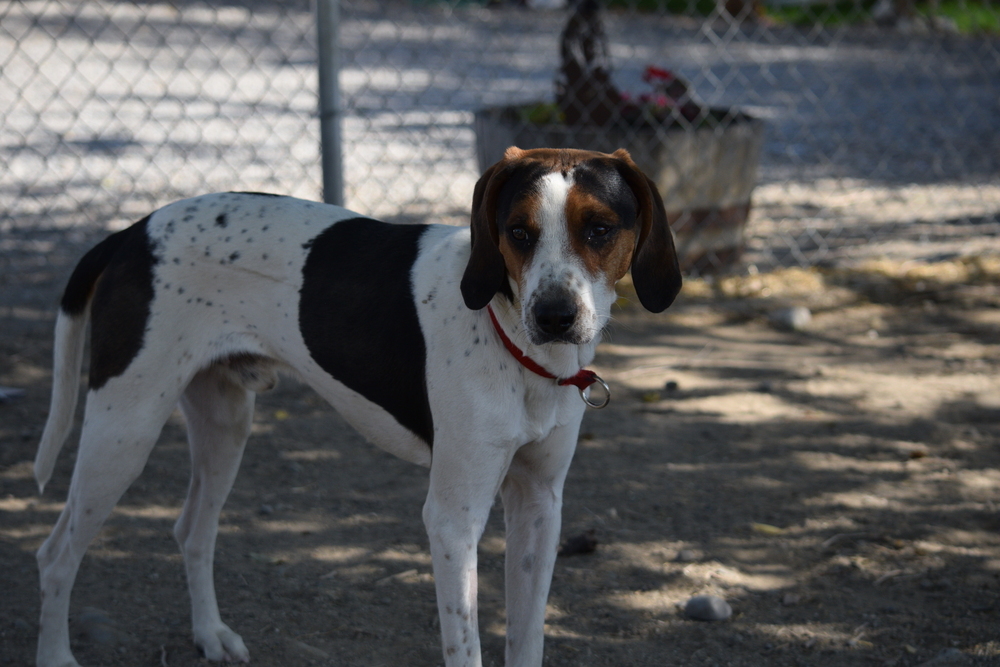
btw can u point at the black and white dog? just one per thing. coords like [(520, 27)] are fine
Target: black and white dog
[(449, 347)]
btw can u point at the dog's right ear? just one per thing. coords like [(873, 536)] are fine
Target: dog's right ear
[(486, 272)]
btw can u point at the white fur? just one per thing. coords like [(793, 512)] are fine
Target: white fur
[(498, 427), (68, 357), (555, 266)]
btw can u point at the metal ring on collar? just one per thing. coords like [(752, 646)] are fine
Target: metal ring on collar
[(585, 394)]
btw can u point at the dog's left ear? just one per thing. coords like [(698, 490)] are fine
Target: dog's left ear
[(486, 272), (656, 273)]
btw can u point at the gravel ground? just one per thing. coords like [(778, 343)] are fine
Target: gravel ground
[(837, 485)]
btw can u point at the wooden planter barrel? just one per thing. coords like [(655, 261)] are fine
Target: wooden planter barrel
[(705, 175)]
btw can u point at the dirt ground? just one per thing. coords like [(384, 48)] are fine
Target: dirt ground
[(838, 485)]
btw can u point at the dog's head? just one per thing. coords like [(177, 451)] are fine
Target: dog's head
[(556, 229)]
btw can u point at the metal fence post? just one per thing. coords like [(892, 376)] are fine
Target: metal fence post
[(327, 24)]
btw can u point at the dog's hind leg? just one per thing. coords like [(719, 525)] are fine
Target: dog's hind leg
[(219, 415), (113, 450)]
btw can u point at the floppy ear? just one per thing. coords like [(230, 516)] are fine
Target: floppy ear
[(656, 274), (486, 272)]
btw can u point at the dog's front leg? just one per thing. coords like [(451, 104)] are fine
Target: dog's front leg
[(532, 500), (463, 483)]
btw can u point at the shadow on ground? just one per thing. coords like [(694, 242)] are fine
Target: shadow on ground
[(838, 488)]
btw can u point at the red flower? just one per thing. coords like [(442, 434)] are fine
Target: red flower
[(654, 73), (657, 100)]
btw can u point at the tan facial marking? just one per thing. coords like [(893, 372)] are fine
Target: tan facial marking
[(612, 258), (523, 212)]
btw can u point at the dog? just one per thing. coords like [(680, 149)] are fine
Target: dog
[(454, 348)]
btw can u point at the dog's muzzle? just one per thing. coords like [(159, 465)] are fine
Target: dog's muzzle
[(555, 319)]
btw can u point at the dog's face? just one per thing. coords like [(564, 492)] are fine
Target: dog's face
[(557, 229)]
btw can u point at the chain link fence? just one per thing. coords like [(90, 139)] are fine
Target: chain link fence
[(873, 139)]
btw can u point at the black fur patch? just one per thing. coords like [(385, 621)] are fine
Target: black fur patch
[(522, 182), (81, 283), (120, 308), (358, 318), (602, 178)]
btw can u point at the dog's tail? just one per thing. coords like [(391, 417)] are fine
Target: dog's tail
[(71, 329)]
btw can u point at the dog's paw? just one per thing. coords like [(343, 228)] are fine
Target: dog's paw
[(50, 655), (70, 663), (222, 645)]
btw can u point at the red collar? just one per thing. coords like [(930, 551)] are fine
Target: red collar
[(582, 380)]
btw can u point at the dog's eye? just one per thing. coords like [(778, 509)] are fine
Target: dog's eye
[(519, 233), (597, 231)]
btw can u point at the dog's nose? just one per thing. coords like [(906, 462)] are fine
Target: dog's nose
[(555, 317)]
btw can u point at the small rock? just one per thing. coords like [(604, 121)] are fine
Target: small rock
[(686, 556), (707, 608), (765, 387), (795, 318), (671, 386), (265, 509)]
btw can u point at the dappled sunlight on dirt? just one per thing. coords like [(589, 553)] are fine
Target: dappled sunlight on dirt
[(837, 485)]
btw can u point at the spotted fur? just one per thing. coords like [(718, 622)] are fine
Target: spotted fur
[(206, 300)]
